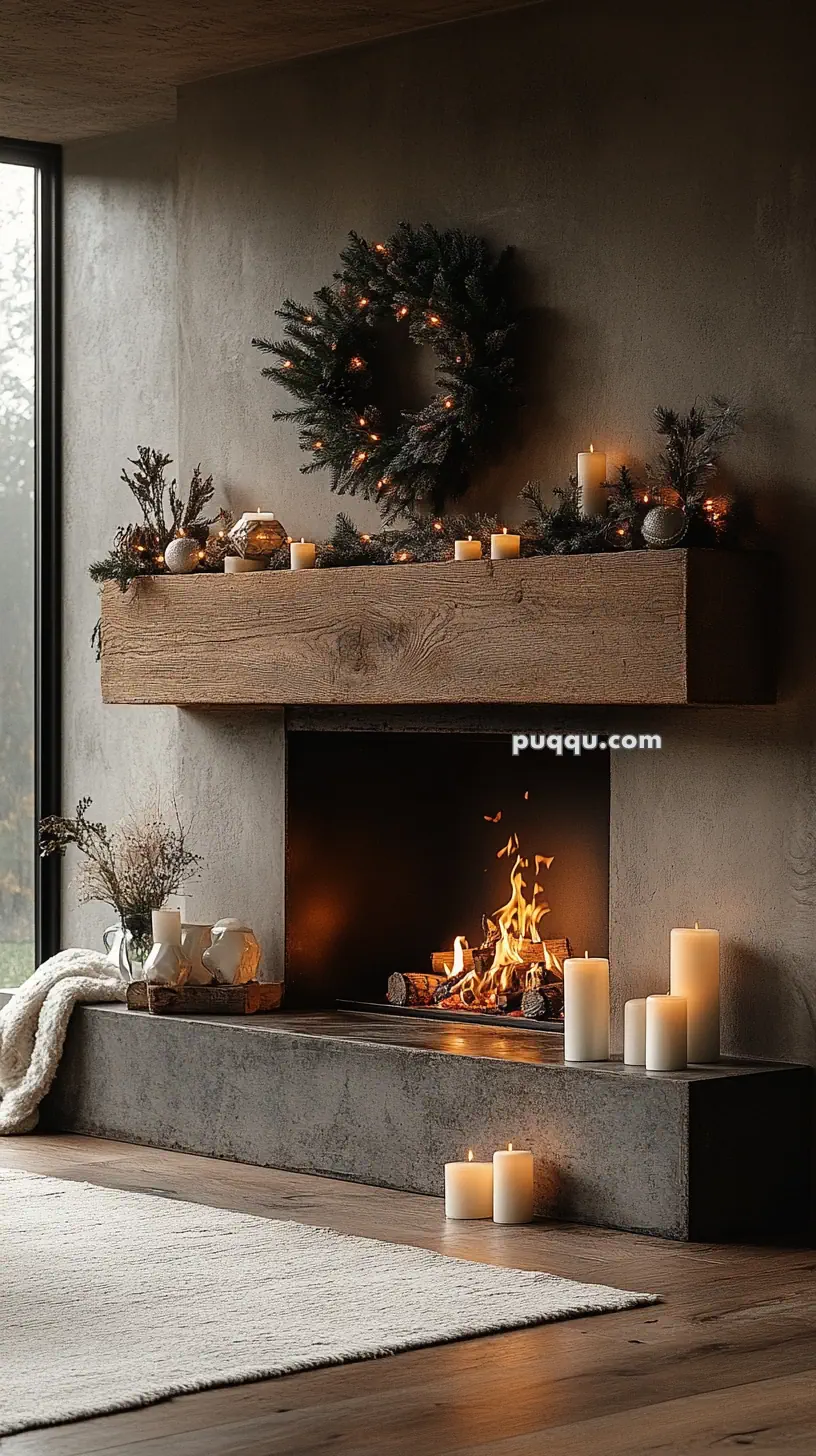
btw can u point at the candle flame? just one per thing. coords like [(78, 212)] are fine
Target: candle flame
[(303, 540), (696, 925), (586, 955), (509, 1147), (591, 449), (470, 538), (470, 1155), (504, 530)]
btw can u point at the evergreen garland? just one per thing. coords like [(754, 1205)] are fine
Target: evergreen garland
[(449, 293)]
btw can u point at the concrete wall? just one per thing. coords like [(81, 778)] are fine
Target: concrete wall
[(656, 177)]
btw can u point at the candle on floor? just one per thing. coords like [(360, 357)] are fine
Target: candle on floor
[(504, 545), (469, 550), (469, 1189), (586, 1009), (167, 927), (695, 974), (592, 482), (512, 1185), (666, 1033), (301, 555), (634, 1033)]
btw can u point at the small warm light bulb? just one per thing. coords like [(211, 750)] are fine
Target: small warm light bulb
[(287, 364), (434, 320), (365, 538), (362, 421), (362, 302), (318, 445), (308, 318), (373, 437), (380, 248), (470, 1155), (448, 403), (402, 312), (201, 555), (437, 525), (356, 362)]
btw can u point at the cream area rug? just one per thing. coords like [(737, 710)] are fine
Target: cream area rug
[(111, 1300)]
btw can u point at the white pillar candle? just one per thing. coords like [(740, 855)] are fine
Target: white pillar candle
[(512, 1185), (586, 1010), (469, 550), (301, 555), (695, 974), (634, 1033), (592, 482), (504, 545), (666, 1033), (469, 1189), (233, 564), (167, 927)]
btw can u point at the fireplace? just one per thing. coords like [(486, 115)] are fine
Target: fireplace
[(438, 871)]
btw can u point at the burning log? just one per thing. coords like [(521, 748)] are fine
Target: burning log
[(530, 953), (412, 989), (548, 954), (545, 1003)]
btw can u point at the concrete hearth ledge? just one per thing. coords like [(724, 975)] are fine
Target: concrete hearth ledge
[(711, 1153)]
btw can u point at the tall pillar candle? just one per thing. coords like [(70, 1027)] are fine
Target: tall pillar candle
[(512, 1185), (469, 1189), (634, 1033), (586, 1010), (666, 1033), (592, 482), (695, 974)]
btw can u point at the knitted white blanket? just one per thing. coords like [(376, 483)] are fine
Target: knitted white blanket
[(33, 1026)]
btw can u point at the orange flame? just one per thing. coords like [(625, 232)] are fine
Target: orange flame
[(510, 931)]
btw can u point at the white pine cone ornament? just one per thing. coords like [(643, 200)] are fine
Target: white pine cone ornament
[(664, 526)]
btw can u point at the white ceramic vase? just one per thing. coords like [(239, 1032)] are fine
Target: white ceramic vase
[(235, 955)]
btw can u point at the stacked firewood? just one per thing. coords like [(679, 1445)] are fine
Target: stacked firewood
[(533, 990)]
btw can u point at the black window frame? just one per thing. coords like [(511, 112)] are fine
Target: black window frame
[(47, 605)]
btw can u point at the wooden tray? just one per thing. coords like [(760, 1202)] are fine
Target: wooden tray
[(206, 1000)]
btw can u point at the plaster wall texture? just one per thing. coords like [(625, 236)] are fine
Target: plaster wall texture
[(659, 190)]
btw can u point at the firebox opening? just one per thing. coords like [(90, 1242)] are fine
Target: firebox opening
[(399, 843)]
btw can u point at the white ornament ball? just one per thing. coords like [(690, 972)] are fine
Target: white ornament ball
[(664, 526), (182, 555)]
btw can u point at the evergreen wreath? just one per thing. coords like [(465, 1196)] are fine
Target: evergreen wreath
[(450, 293)]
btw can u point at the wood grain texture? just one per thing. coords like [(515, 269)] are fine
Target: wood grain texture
[(89, 67), (585, 629), (245, 1000), (725, 1362)]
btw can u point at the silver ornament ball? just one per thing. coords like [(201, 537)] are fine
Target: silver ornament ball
[(182, 555), (664, 526)]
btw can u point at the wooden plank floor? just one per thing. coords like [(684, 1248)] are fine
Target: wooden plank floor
[(727, 1362)]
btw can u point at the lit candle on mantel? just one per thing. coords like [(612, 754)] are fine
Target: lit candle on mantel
[(504, 545), (695, 974), (301, 555), (469, 550), (592, 482), (469, 1189), (586, 1009), (666, 1033), (512, 1185)]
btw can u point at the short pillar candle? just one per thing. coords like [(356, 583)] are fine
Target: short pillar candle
[(469, 1189), (469, 550), (512, 1185), (586, 1010), (695, 974), (235, 564), (301, 555), (504, 545), (634, 1033), (167, 927), (666, 1032)]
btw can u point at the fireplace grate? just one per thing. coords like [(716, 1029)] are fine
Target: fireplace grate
[(438, 1013)]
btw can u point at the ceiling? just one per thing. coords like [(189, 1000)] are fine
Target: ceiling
[(82, 68)]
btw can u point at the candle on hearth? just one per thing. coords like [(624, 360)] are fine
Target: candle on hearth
[(666, 1033), (586, 1009), (469, 550), (504, 545), (512, 1185), (634, 1033), (695, 974), (301, 555), (469, 1189), (167, 927), (592, 482)]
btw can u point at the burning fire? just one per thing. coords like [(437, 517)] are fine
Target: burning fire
[(513, 957)]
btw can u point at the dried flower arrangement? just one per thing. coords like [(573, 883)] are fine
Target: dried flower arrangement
[(133, 867)]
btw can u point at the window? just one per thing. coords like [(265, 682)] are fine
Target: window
[(29, 564)]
